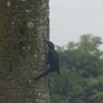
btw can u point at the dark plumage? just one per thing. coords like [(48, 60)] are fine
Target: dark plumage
[(53, 60)]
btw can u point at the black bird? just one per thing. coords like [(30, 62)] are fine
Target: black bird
[(53, 60)]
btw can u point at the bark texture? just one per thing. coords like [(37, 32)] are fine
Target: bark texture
[(24, 24)]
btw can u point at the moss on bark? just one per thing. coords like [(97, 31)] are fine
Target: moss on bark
[(24, 24)]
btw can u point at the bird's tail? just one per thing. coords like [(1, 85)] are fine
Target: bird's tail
[(41, 75)]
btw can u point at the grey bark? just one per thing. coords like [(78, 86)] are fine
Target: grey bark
[(24, 24)]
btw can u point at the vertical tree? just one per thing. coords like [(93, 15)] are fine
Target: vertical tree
[(24, 24)]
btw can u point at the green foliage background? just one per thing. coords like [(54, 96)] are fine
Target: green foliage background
[(81, 78)]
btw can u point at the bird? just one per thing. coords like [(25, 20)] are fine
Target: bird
[(53, 60)]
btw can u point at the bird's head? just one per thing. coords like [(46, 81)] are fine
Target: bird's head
[(50, 44)]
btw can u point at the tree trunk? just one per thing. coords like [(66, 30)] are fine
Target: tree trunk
[(24, 24)]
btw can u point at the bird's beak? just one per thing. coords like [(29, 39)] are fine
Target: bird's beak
[(46, 41)]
